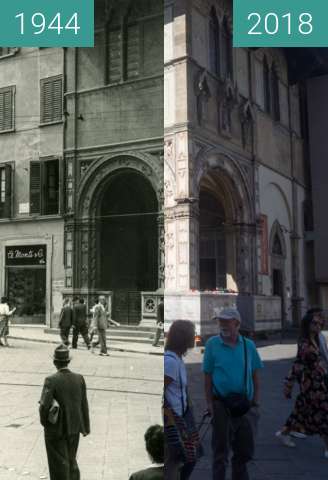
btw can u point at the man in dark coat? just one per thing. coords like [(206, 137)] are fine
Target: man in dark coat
[(80, 324), (159, 323), (66, 391), (65, 321)]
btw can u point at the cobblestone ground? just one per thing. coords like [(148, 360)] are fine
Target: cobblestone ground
[(272, 461), (124, 392)]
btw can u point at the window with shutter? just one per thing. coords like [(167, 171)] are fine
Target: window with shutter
[(51, 187), (51, 100), (6, 109), (44, 187), (5, 191), (35, 187)]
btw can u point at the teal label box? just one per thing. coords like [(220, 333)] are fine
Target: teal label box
[(280, 23), (47, 23)]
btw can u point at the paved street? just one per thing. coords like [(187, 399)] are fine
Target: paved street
[(124, 393), (273, 461)]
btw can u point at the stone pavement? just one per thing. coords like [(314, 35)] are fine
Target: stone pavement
[(37, 334), (124, 392), (273, 461)]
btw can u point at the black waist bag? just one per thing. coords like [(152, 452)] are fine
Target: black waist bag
[(237, 404)]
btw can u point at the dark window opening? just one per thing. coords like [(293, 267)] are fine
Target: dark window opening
[(266, 86), (214, 43), (275, 95), (5, 191)]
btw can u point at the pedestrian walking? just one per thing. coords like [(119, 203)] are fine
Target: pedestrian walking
[(181, 436), (159, 323), (65, 321), (99, 325), (80, 323), (64, 414), (5, 313), (310, 370), (154, 439), (231, 365)]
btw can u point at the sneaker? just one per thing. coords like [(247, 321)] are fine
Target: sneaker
[(285, 439), (298, 435), (104, 354)]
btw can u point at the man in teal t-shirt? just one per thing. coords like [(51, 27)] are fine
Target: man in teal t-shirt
[(224, 369)]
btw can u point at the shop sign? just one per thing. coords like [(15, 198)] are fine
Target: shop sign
[(26, 255)]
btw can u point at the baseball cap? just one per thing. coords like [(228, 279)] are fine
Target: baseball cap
[(227, 314)]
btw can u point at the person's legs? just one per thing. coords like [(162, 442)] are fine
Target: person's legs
[(171, 466), (76, 331), (243, 444), (102, 341), (186, 471), (220, 440), (73, 444), (58, 458), (64, 334), (84, 333), (157, 336)]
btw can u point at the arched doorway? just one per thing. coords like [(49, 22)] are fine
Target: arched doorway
[(128, 242)]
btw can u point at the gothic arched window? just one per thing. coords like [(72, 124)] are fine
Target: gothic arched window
[(214, 43), (227, 52), (266, 86), (275, 94), (135, 42), (276, 246)]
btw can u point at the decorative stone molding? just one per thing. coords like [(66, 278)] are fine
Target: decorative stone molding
[(247, 121), (203, 94), (89, 189)]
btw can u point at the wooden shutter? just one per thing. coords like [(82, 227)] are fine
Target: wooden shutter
[(6, 109), (8, 199), (51, 100), (114, 55), (35, 187)]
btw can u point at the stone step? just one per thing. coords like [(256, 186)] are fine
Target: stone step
[(116, 332), (119, 334)]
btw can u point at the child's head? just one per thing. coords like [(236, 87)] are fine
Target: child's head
[(154, 438)]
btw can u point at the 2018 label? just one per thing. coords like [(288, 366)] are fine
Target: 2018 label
[(271, 23)]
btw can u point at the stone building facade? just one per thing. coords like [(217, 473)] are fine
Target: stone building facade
[(31, 168), (114, 160), (233, 174), (81, 168)]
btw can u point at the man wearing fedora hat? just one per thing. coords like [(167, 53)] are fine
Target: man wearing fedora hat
[(67, 391), (231, 366)]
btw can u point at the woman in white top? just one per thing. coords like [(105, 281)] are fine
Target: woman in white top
[(177, 414), (5, 313)]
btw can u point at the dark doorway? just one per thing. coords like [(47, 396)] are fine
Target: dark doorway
[(128, 243), (212, 243)]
